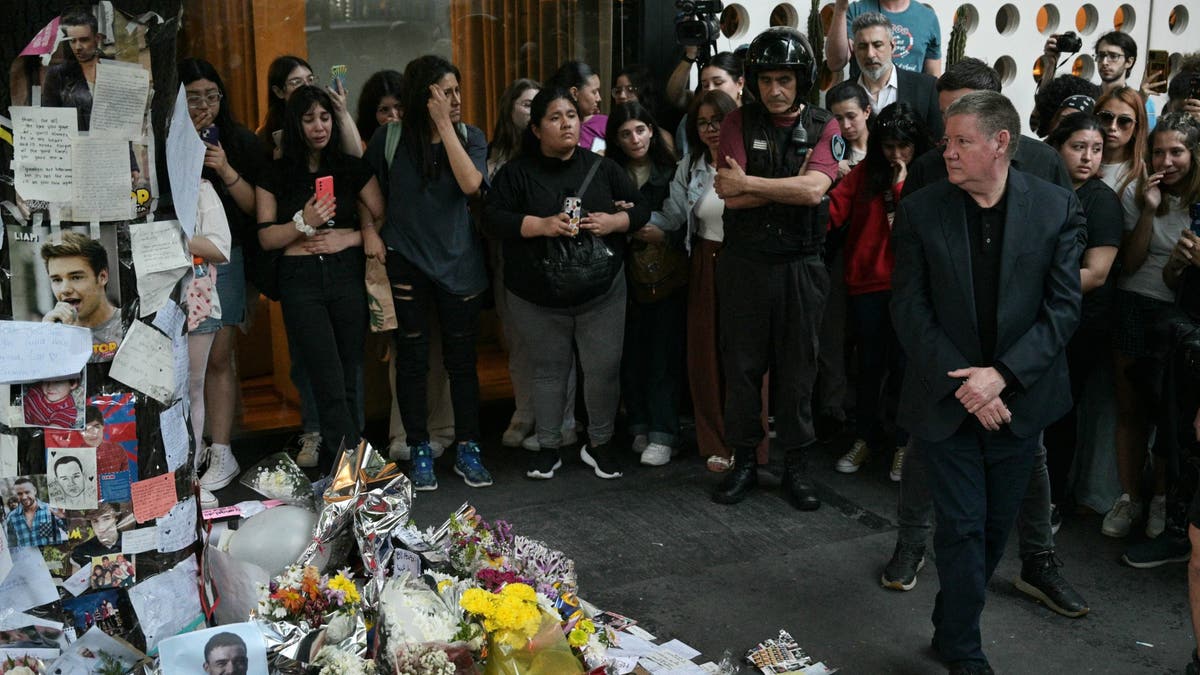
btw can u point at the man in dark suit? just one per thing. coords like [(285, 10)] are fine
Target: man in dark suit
[(987, 370), (874, 46), (1040, 575)]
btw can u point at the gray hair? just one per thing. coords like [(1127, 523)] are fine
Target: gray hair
[(870, 20), (993, 112)]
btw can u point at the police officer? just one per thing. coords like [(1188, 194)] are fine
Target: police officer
[(778, 158)]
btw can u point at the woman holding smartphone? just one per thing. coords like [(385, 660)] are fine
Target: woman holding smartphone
[(322, 267)]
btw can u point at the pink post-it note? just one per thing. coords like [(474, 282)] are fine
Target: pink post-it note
[(153, 497)]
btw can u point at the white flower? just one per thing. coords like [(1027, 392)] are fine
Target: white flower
[(20, 670)]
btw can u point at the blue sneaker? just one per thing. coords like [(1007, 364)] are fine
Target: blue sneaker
[(469, 466), (422, 468)]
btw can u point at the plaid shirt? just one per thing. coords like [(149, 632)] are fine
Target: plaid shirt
[(47, 528)]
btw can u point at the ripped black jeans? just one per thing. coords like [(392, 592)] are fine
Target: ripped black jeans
[(412, 292)]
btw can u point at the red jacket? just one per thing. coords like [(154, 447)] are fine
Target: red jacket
[(869, 256)]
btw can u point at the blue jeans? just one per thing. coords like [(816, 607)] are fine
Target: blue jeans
[(977, 479), (324, 302)]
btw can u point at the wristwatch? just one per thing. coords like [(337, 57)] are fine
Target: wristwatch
[(305, 229)]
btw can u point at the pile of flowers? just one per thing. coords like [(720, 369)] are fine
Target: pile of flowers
[(511, 613), (334, 661), (24, 665), (279, 477), (304, 594), (495, 556)]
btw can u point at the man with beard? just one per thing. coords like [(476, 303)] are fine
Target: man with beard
[(874, 44), (225, 654), (78, 270), (34, 523), (68, 84)]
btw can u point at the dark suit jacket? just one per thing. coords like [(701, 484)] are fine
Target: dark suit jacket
[(920, 91), (933, 303)]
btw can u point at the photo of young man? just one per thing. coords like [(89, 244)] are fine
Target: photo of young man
[(110, 426), (54, 403), (32, 522), (231, 649), (78, 271)]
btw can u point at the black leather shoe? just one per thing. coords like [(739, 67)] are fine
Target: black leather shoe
[(1040, 579), (738, 482), (799, 490)]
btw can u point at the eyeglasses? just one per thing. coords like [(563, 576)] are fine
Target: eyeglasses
[(1107, 117), (1110, 56), (628, 90), (712, 125), (208, 100), (301, 81)]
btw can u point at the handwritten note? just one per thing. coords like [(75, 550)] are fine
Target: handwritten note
[(177, 529), (180, 345), (157, 246), (28, 584), (406, 561), (144, 361), (79, 582), (42, 152), (102, 180), (119, 98), (167, 604), (185, 160), (174, 436), (32, 351), (153, 497), (139, 540), (169, 319), (8, 456)]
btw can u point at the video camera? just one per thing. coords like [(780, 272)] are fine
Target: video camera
[(698, 25)]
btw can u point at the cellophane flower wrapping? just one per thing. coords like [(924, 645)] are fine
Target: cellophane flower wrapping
[(301, 611), (334, 661), (22, 665), (510, 652), (422, 629), (277, 476)]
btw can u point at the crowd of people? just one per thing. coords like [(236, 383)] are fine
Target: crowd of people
[(736, 256)]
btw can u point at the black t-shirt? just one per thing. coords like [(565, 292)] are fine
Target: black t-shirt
[(293, 185), (245, 156), (1105, 226)]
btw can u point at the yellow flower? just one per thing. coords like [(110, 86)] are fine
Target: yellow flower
[(577, 638), (520, 592), (341, 583), (443, 585)]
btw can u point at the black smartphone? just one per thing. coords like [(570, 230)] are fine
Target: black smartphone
[(211, 134), (1158, 66)]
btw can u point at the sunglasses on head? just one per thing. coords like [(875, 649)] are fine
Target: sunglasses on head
[(1107, 117)]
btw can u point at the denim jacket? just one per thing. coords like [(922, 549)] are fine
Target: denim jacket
[(693, 179)]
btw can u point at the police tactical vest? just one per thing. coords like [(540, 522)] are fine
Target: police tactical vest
[(778, 232)]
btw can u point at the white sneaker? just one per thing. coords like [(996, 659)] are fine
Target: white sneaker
[(656, 454), (398, 450), (310, 449), (1118, 521), (514, 434), (897, 471), (640, 443), (208, 500), (1156, 520), (222, 468), (852, 461), (569, 438)]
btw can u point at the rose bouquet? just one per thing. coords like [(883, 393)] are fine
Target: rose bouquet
[(278, 477)]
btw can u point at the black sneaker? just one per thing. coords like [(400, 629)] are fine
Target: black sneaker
[(542, 464), (602, 459), (1170, 546), (1040, 579), (1055, 519), (901, 571)]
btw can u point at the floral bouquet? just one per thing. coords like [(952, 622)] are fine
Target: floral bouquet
[(523, 637), (494, 555), (24, 665), (301, 611), (334, 661), (278, 477), (423, 630)]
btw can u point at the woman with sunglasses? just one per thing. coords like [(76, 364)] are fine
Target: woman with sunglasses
[(1123, 118), (322, 267), (864, 202), (232, 166), (1079, 139), (1156, 214), (694, 204)]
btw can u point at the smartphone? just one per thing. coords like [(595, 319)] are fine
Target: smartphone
[(1158, 65), (324, 187), (211, 135), (337, 75)]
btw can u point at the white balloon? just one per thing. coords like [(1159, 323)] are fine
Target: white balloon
[(274, 538)]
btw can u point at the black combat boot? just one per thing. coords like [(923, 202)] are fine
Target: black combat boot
[(796, 484), (739, 480)]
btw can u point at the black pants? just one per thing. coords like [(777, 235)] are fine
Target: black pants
[(770, 320), (458, 316), (1085, 352), (977, 479), (880, 370), (324, 302), (652, 367)]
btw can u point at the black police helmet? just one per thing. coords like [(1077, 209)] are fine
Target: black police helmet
[(782, 48)]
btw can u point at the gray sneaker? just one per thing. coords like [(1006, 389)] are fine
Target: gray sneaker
[(901, 571)]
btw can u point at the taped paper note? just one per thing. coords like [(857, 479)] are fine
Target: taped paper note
[(145, 362), (174, 435), (102, 180), (119, 99), (42, 152), (31, 351), (153, 497), (177, 529), (185, 160)]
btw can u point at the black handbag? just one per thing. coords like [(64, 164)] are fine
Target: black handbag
[(579, 268)]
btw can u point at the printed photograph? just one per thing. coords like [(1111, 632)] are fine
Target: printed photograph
[(29, 520), (234, 649), (70, 278), (56, 404), (98, 532), (110, 427), (109, 610), (113, 571)]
